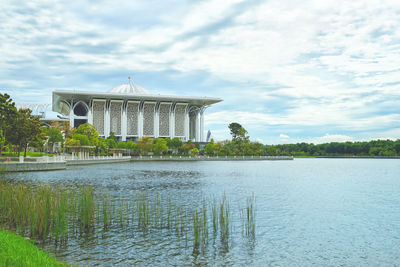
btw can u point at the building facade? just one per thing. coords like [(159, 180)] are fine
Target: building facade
[(130, 112)]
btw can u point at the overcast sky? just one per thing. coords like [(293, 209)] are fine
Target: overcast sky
[(288, 71)]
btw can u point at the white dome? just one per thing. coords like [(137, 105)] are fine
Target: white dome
[(129, 89)]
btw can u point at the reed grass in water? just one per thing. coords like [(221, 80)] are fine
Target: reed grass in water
[(56, 213), (224, 220), (250, 224)]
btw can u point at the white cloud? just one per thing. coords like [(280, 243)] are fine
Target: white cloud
[(307, 116), (284, 136), (327, 63), (327, 138), (260, 140)]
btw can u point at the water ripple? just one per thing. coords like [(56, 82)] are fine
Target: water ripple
[(322, 212)]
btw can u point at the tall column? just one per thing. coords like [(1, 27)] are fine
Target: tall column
[(187, 121), (124, 122), (202, 126), (107, 120), (172, 121), (90, 117), (90, 113), (157, 120), (140, 120), (71, 117), (197, 137)]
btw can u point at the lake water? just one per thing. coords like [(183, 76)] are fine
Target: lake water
[(309, 211)]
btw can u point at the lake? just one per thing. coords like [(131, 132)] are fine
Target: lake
[(308, 211)]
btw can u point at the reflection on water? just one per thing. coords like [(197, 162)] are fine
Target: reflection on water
[(309, 212)]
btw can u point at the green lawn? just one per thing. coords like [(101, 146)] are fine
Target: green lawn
[(29, 154), (18, 251)]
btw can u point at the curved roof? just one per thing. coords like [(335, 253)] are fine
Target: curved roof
[(129, 89)]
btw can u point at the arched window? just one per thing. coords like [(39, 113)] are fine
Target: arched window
[(80, 110)]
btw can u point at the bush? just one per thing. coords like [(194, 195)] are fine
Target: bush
[(83, 139), (73, 142), (121, 144), (194, 152)]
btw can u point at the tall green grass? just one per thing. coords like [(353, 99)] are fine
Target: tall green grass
[(224, 220), (86, 209), (54, 214), (2, 170), (46, 213), (250, 220)]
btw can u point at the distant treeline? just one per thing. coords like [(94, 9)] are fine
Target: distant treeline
[(371, 148)]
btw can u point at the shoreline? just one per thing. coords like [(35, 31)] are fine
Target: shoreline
[(62, 165), (357, 157), (205, 158)]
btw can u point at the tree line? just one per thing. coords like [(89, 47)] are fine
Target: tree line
[(86, 135), (19, 129), (387, 148)]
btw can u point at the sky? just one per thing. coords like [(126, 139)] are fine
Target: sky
[(288, 71)]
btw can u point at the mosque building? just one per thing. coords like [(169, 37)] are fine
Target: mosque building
[(131, 111)]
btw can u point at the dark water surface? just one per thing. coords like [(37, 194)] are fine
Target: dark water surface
[(326, 212)]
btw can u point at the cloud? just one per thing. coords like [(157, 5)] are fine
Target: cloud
[(327, 138), (259, 140), (279, 65), (307, 116), (284, 136)]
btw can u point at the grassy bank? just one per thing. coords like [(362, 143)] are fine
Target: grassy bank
[(17, 251)]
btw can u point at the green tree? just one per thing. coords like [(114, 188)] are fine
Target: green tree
[(73, 142), (160, 146), (133, 147), (64, 127), (27, 129), (102, 147), (175, 144), (53, 135), (218, 146), (39, 141), (235, 128), (194, 152), (111, 143), (121, 144), (271, 151), (90, 131), (2, 141), (227, 148), (112, 136), (389, 153), (197, 145), (242, 135), (210, 148), (397, 146), (83, 139), (375, 151), (186, 148), (145, 144), (240, 141), (8, 116), (256, 149)]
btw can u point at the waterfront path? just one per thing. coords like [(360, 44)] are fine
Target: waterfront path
[(97, 160), (208, 158), (61, 162), (55, 163)]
